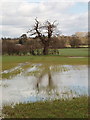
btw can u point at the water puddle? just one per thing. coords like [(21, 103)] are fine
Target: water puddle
[(77, 57), (39, 82), (15, 68)]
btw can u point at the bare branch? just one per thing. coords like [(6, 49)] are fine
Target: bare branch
[(44, 32), (33, 34), (54, 22)]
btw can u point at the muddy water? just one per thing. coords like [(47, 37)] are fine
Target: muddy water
[(39, 82)]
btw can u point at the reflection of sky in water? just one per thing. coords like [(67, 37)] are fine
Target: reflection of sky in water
[(69, 83)]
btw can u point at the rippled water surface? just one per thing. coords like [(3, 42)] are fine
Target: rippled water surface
[(33, 82)]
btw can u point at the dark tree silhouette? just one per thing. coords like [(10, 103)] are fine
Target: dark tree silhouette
[(75, 41), (23, 39), (44, 33)]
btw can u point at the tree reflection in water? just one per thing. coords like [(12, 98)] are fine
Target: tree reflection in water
[(46, 71)]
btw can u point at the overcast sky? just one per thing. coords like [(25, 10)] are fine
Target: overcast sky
[(17, 17)]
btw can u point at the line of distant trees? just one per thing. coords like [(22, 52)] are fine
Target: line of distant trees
[(47, 40), (33, 46)]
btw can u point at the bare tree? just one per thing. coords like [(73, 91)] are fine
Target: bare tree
[(23, 39), (75, 41), (44, 33)]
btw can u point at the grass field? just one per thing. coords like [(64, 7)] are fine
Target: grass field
[(75, 108), (11, 61), (79, 52), (68, 56)]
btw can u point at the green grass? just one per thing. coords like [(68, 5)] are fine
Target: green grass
[(79, 52), (75, 108), (11, 61), (11, 74)]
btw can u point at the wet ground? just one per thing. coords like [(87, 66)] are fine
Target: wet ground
[(29, 82)]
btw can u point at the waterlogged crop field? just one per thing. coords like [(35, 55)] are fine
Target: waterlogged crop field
[(45, 86)]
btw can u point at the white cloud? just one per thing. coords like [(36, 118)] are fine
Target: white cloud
[(67, 0), (75, 23), (18, 17), (12, 31)]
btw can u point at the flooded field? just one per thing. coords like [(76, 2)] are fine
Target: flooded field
[(29, 82)]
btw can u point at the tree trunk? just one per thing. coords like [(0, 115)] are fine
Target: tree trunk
[(50, 79), (45, 50)]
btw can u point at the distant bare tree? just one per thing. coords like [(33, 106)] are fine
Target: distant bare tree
[(23, 39), (44, 33), (75, 41)]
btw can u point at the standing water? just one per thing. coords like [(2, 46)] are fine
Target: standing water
[(38, 82)]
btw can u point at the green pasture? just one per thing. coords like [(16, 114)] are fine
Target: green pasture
[(11, 61), (78, 52), (67, 56), (75, 108)]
